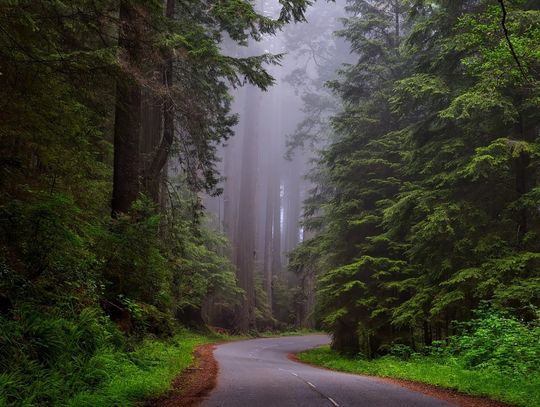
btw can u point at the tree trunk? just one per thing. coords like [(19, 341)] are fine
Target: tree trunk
[(228, 194), (521, 169), (269, 219), (293, 206), (127, 126), (308, 306), (161, 124), (345, 339), (231, 191), (152, 130), (276, 229), (428, 336), (245, 251)]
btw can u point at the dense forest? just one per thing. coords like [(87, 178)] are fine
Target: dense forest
[(368, 168), (425, 200), (111, 116)]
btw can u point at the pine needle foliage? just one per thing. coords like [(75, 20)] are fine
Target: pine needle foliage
[(429, 207), (79, 290)]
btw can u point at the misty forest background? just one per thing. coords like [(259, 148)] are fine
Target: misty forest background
[(372, 172)]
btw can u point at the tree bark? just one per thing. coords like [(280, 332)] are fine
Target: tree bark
[(228, 196), (163, 126), (268, 238), (128, 113), (232, 163), (245, 250), (276, 230), (152, 131), (345, 339), (293, 206)]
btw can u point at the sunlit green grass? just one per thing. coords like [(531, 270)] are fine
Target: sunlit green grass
[(447, 372)]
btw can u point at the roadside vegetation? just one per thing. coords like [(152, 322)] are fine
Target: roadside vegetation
[(146, 372), (89, 363), (495, 356)]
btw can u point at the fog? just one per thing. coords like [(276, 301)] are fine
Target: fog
[(264, 165)]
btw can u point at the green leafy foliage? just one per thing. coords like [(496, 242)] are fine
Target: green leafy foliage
[(84, 362), (79, 290), (499, 343), (48, 358), (494, 355), (425, 204)]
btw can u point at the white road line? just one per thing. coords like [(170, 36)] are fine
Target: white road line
[(288, 371), (333, 401), (330, 399)]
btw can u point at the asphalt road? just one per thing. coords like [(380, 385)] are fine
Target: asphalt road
[(257, 373)]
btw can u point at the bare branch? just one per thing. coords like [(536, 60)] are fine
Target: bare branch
[(510, 45)]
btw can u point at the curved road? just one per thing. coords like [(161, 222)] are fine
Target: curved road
[(257, 373)]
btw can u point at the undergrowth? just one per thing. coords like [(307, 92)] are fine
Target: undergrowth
[(495, 356), (52, 361), (146, 372), (89, 306)]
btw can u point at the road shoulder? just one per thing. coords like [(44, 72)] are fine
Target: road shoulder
[(191, 387), (449, 395)]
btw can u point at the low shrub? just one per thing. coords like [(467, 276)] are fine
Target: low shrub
[(499, 341)]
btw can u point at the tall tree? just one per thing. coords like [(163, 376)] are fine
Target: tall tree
[(246, 223), (128, 113), (425, 214), (195, 96)]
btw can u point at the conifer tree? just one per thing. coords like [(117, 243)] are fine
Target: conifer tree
[(429, 207)]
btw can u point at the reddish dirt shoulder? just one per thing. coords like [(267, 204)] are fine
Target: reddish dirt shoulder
[(452, 396), (194, 384)]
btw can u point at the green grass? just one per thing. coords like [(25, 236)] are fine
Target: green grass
[(295, 332), (146, 372), (447, 372)]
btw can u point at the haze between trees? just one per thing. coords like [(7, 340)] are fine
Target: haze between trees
[(421, 201)]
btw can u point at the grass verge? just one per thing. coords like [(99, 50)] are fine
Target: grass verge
[(446, 372), (297, 332), (146, 372)]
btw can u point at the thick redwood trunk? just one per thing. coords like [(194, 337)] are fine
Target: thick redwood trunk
[(293, 206), (245, 250), (231, 191), (152, 130), (161, 125), (127, 126), (308, 288), (228, 196)]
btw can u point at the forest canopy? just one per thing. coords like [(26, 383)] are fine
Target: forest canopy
[(169, 165), (111, 114), (426, 201)]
